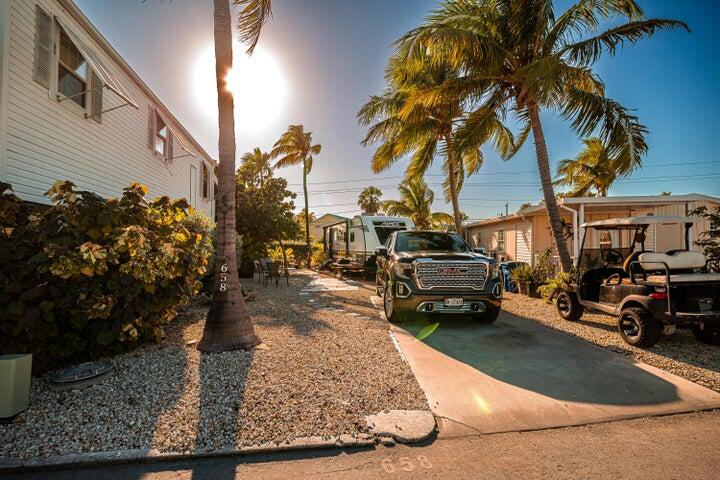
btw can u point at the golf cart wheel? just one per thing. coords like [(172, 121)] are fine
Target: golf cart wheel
[(389, 306), (568, 306), (707, 333), (490, 315), (639, 327)]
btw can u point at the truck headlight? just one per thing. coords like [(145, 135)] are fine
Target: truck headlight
[(403, 270), (493, 271)]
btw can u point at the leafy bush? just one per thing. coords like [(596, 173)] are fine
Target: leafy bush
[(709, 240), (557, 283), (521, 274), (276, 254), (89, 277)]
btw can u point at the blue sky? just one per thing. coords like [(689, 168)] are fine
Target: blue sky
[(332, 54)]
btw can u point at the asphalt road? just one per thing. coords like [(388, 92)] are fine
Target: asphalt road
[(657, 448)]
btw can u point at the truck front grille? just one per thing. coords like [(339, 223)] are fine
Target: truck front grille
[(451, 275)]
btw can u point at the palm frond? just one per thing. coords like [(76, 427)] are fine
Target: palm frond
[(251, 19), (588, 51)]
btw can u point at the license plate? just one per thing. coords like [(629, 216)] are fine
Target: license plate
[(453, 302)]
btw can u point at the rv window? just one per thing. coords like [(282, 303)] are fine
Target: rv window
[(383, 229), (352, 236)]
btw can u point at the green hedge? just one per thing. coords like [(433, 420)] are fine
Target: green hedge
[(88, 277)]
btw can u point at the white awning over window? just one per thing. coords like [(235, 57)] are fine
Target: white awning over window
[(110, 81)]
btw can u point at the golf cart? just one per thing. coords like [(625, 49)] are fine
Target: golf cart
[(651, 293)]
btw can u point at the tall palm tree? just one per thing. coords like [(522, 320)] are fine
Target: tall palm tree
[(369, 200), (404, 124), (416, 203), (295, 148), (228, 325), (518, 56), (256, 166), (593, 168)]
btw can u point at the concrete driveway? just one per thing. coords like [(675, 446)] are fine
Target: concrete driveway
[(518, 375)]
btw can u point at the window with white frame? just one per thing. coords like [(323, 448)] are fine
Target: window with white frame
[(205, 181), (501, 240), (73, 71)]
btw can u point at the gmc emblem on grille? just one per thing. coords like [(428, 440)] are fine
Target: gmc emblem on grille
[(452, 270)]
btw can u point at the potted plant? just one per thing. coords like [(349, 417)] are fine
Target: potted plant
[(539, 274), (521, 276)]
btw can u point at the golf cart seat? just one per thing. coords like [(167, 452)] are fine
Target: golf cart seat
[(682, 265)]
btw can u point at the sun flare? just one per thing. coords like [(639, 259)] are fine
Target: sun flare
[(257, 83)]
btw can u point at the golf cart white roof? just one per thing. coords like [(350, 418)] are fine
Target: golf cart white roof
[(629, 222)]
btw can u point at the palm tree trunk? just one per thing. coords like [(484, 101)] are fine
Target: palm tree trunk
[(282, 249), (228, 325), (547, 187), (307, 215), (452, 177)]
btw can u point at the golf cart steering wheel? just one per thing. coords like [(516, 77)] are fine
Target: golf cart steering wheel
[(611, 256)]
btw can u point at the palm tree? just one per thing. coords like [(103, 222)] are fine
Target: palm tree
[(256, 166), (593, 168), (302, 216), (369, 200), (518, 56), (228, 325), (415, 203), (295, 148), (404, 123)]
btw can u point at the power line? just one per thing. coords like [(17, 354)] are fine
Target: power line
[(528, 172), (523, 184)]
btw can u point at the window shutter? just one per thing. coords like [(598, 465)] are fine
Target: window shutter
[(151, 128), (43, 47), (169, 150), (97, 97)]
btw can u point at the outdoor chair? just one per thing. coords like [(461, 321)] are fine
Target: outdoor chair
[(258, 269), (272, 272)]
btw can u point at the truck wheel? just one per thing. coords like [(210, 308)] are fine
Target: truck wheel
[(707, 333), (639, 327), (490, 315), (568, 306), (389, 306)]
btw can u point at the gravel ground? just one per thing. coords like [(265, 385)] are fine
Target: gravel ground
[(679, 353), (318, 373)]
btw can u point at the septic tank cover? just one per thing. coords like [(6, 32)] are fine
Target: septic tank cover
[(80, 375)]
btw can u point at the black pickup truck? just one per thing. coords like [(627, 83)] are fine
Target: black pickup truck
[(435, 272)]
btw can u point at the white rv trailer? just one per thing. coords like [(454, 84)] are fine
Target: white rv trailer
[(355, 240)]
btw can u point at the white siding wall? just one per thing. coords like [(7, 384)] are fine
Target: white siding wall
[(46, 141)]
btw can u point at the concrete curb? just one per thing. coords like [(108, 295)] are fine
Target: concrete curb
[(151, 455)]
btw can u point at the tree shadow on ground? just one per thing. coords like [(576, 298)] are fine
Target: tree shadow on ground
[(520, 352)]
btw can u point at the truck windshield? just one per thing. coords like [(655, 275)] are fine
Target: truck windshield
[(430, 242)]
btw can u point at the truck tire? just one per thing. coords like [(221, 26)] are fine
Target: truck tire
[(490, 315), (708, 333), (568, 306), (639, 328), (389, 306)]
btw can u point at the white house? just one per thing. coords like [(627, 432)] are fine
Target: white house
[(72, 109), (523, 235)]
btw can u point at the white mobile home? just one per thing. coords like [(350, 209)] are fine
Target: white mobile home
[(72, 109)]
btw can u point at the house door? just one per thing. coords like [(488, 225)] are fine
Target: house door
[(193, 186)]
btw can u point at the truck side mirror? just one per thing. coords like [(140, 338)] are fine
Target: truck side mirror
[(381, 252)]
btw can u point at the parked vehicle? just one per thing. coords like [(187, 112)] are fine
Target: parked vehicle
[(353, 242), (650, 293), (506, 269), (434, 272)]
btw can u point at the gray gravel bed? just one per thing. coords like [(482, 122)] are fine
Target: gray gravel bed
[(319, 373), (680, 353)]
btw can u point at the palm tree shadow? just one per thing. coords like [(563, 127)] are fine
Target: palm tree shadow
[(223, 378)]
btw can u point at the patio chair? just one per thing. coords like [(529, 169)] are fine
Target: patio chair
[(258, 270), (272, 272)]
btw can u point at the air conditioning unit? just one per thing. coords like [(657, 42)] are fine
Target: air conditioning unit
[(15, 373)]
